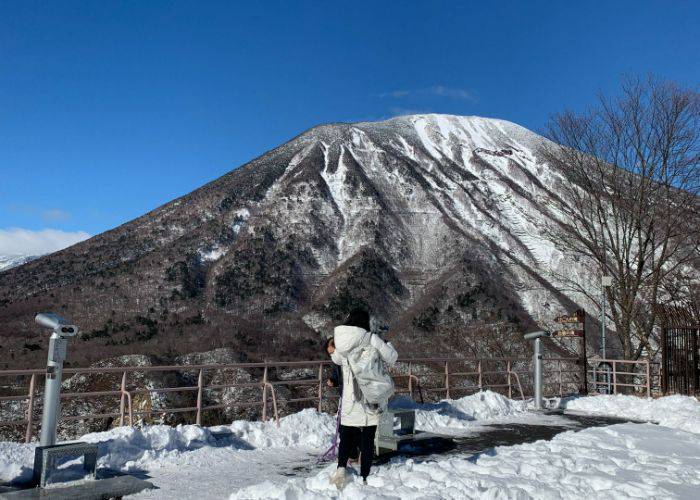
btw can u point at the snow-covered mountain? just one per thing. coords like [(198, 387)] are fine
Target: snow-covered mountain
[(10, 261), (435, 222)]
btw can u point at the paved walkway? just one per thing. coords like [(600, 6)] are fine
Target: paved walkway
[(489, 436)]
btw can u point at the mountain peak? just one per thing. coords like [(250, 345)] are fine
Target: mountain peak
[(426, 219)]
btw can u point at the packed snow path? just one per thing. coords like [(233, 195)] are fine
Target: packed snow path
[(620, 461), (225, 470), (257, 460)]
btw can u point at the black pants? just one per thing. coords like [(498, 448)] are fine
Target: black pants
[(352, 438)]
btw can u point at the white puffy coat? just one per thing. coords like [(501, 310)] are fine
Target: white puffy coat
[(354, 412)]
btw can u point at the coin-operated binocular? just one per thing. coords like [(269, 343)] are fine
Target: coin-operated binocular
[(537, 363), (61, 331)]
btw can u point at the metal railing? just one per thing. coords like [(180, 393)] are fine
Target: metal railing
[(439, 376), (622, 376)]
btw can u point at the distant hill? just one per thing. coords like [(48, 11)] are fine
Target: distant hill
[(10, 261)]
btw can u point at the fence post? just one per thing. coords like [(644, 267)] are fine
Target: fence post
[(481, 385), (121, 401), (30, 409), (561, 389), (264, 395), (447, 380), (648, 369), (510, 389), (200, 387), (614, 363), (595, 379), (320, 385)]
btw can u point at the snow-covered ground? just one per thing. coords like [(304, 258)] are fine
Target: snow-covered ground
[(677, 412), (258, 460), (620, 461)]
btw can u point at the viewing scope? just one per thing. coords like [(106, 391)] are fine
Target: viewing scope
[(537, 335), (56, 323)]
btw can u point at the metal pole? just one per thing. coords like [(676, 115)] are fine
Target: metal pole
[(320, 386), (538, 374), (264, 395), (30, 409), (595, 380), (52, 391), (510, 389), (121, 400), (200, 387), (481, 386), (605, 282), (447, 381), (648, 371), (561, 390)]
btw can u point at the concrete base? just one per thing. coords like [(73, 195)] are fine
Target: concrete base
[(102, 489), (46, 458), (389, 438)]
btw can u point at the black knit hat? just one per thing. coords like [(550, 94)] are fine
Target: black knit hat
[(358, 317)]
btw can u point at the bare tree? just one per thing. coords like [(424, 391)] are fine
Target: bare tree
[(629, 206)]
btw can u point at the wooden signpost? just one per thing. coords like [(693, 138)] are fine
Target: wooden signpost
[(574, 327)]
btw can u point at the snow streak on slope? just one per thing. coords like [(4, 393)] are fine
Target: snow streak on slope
[(10, 261), (435, 186)]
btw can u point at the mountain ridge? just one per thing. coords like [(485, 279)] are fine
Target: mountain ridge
[(412, 212)]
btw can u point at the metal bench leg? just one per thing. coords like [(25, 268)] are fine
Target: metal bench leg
[(90, 463)]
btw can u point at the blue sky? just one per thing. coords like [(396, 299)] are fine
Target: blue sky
[(110, 109)]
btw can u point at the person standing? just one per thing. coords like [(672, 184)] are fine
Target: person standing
[(358, 419)]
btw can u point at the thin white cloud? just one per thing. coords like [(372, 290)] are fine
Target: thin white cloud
[(453, 93), (396, 94), (435, 90), (18, 241), (55, 215), (399, 111)]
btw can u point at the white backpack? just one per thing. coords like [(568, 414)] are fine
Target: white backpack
[(370, 373)]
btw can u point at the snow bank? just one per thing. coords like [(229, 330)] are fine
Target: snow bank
[(16, 462), (454, 416), (308, 428), (133, 448), (621, 461), (152, 446), (677, 412)]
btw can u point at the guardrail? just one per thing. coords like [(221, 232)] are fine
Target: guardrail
[(439, 376), (620, 374)]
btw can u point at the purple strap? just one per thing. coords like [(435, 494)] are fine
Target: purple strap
[(332, 452)]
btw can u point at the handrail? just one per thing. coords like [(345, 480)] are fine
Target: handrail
[(520, 387), (647, 375), (487, 373)]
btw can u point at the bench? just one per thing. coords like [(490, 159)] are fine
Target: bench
[(46, 458), (102, 489)]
